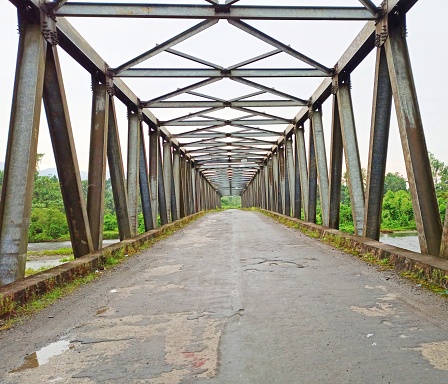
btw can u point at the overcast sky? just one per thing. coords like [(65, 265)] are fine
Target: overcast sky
[(119, 40)]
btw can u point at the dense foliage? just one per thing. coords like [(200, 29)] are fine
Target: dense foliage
[(228, 202)]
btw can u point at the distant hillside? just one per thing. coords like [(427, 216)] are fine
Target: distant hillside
[(54, 172)]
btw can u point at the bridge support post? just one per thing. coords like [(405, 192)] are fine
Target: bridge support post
[(379, 137), (303, 169), (188, 199), (270, 187), (336, 156), (290, 207), (275, 188), (97, 162), (312, 178), (133, 170), (115, 160), (193, 189), (168, 178), (297, 184), (61, 134), (20, 164), (161, 187), (182, 205), (282, 179), (421, 184), (321, 162), (351, 151), (145, 197), (265, 182), (153, 173), (176, 185)]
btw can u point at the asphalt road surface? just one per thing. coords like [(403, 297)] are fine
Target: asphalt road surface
[(235, 298)]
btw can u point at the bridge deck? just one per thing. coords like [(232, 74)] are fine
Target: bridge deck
[(236, 298)]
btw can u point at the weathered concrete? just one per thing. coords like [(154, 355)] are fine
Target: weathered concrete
[(237, 298), (21, 291)]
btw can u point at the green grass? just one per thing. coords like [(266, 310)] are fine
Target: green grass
[(67, 259), (51, 252), (31, 271)]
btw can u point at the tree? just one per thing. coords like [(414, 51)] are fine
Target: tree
[(47, 224), (47, 193), (398, 212), (438, 168), (394, 182)]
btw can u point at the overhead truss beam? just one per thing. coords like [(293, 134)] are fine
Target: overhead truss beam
[(217, 11), (204, 72)]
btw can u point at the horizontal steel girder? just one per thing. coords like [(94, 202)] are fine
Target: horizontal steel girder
[(194, 11), (224, 104), (215, 135), (204, 72), (200, 123)]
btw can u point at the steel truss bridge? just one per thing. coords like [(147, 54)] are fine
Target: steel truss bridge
[(176, 174)]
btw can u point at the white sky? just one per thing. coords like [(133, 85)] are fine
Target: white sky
[(118, 40)]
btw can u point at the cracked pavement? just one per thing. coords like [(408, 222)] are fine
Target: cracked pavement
[(235, 298)]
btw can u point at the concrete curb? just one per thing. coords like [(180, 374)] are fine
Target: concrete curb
[(430, 268), (19, 292)]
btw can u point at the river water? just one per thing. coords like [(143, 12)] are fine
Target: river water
[(407, 240), (52, 261)]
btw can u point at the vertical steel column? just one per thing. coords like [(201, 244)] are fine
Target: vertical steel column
[(312, 178), (282, 179), (117, 178), (275, 189), (261, 192), (189, 188), (321, 160), (379, 137), (20, 164), (182, 207), (266, 184), (145, 197), (153, 173), (269, 203), (193, 189), (161, 189), (303, 169), (444, 244), (351, 152), (133, 169), (418, 168), (290, 207), (97, 162), (297, 185), (65, 155), (168, 177), (175, 203), (336, 157), (270, 187)]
